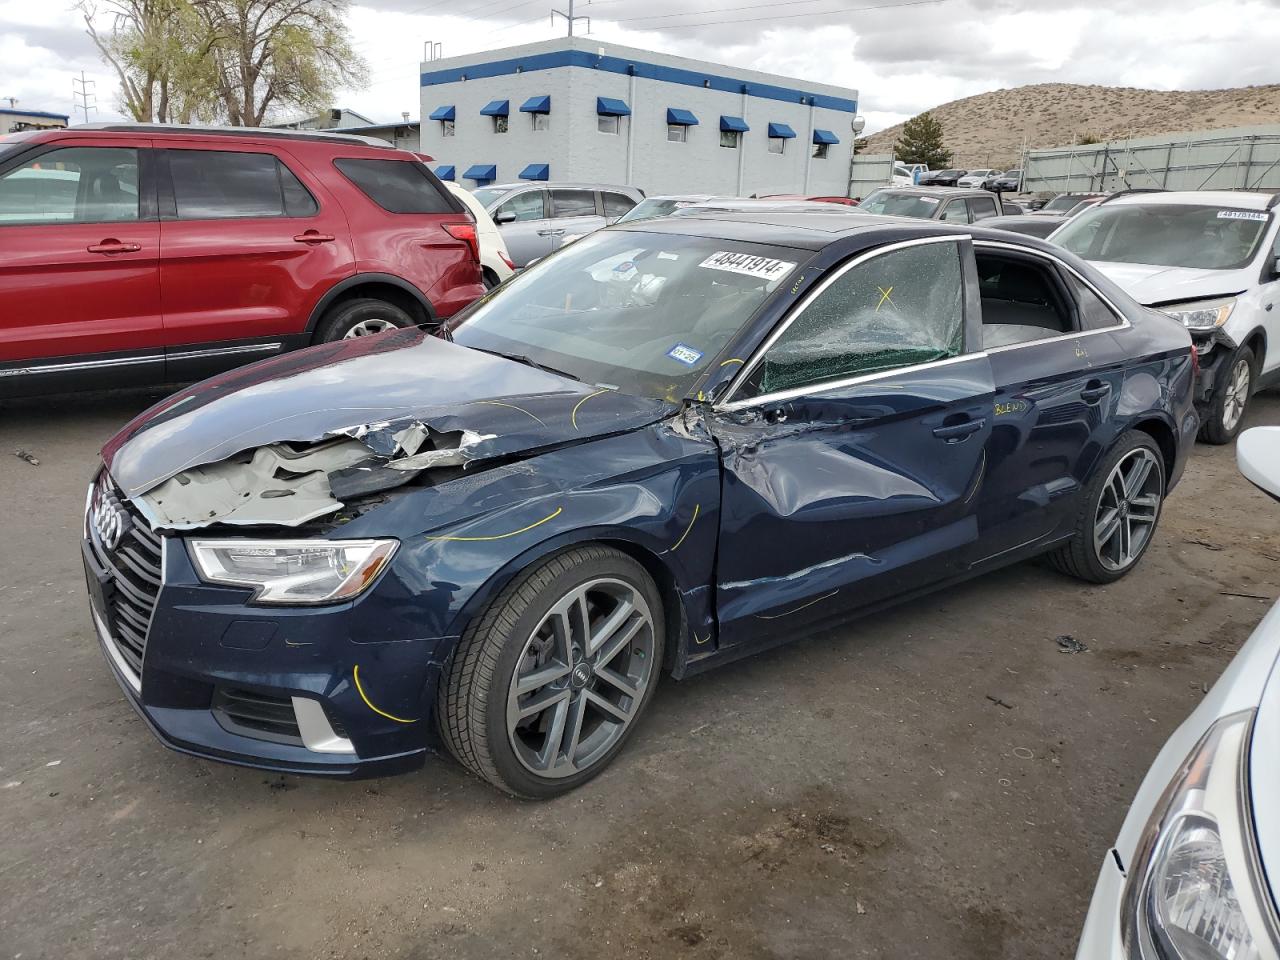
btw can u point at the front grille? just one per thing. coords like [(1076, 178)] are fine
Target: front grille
[(131, 553), (258, 715)]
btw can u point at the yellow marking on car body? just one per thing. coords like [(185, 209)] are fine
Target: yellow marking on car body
[(503, 536), (499, 403), (732, 360), (778, 616), (573, 417), (355, 675), (692, 520), (884, 298)]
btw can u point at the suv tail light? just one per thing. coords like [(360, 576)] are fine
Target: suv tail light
[(467, 232)]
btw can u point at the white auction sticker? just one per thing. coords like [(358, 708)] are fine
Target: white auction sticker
[(1241, 215), (748, 264)]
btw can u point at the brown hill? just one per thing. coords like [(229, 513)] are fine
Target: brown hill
[(987, 130)]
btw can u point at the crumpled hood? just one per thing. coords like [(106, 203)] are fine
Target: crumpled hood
[(384, 391), (1154, 284)]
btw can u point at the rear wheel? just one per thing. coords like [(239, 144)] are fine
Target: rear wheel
[(549, 680), (1119, 512), (361, 318), (1230, 400)]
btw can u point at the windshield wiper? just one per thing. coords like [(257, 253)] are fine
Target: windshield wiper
[(529, 362)]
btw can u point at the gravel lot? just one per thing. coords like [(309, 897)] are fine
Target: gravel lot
[(941, 781)]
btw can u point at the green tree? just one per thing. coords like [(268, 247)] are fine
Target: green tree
[(922, 142)]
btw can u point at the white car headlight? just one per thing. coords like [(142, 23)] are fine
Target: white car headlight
[(1196, 889), (293, 571), (1204, 315)]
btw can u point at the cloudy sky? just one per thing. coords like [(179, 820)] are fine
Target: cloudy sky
[(902, 55)]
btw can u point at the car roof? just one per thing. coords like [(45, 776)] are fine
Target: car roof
[(238, 133), (937, 191), (1240, 199), (553, 184)]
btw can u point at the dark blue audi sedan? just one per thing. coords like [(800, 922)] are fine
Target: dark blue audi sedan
[(664, 447)]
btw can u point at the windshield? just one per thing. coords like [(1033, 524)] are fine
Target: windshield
[(1166, 235), (487, 195), (900, 204), (1063, 202), (648, 209), (643, 313)]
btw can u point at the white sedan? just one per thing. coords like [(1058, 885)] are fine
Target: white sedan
[(1187, 878), (976, 178)]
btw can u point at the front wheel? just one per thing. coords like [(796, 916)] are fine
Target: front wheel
[(549, 680), (1230, 400), (1118, 513)]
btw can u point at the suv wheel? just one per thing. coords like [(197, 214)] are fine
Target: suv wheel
[(361, 318), (1118, 512), (550, 678), (1230, 400)]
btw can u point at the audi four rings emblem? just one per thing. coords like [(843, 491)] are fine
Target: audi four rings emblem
[(108, 520)]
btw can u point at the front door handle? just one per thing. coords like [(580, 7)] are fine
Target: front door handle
[(315, 236), (959, 432), (112, 245), (1094, 391)]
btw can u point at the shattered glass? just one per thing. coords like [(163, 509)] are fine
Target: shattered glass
[(902, 308)]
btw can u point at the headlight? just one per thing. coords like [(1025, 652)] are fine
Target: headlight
[(1204, 315), (294, 571), (1196, 889)]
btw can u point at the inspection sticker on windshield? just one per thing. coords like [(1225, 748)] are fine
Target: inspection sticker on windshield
[(929, 200), (1241, 215), (685, 354), (748, 265)]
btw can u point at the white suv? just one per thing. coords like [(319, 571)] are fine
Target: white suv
[(1210, 259)]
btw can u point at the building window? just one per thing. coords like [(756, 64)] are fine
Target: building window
[(777, 144), (446, 128), (819, 151), (730, 139), (541, 121), (499, 124), (677, 132), (607, 123)]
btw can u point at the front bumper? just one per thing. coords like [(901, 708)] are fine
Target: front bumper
[(1213, 352), (274, 689)]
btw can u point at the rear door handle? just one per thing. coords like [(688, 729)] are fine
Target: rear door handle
[(113, 246), (959, 432), (314, 236), (551, 233), (1092, 394)]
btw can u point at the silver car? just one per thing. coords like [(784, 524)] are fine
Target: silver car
[(534, 216)]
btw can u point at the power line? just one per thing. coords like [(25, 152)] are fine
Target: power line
[(776, 16)]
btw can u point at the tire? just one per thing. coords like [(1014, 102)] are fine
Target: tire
[(361, 317), (515, 636), (1085, 559), (1230, 402), (490, 279)]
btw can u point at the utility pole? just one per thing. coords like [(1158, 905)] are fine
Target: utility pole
[(82, 93), (570, 18)]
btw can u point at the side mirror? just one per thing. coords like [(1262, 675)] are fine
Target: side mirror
[(1258, 457), (505, 216)]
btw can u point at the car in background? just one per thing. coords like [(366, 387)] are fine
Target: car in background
[(495, 263), (949, 205), (141, 254), (1193, 872), (1008, 182), (1035, 225), (976, 178), (819, 198), (649, 208), (333, 562), (533, 217), (1210, 259), (1065, 203), (907, 174), (941, 178)]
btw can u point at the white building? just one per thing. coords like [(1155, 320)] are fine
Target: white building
[(578, 109)]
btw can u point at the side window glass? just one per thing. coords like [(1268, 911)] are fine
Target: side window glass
[(573, 203), (1094, 314), (615, 205), (981, 208), (72, 185), (955, 212), (898, 309), (225, 184), (397, 186), (525, 206)]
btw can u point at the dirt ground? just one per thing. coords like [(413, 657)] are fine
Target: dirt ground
[(940, 781)]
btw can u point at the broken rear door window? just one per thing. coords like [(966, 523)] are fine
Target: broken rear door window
[(898, 309)]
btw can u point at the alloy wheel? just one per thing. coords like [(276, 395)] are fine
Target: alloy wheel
[(368, 327), (1128, 509), (581, 678), (1237, 395)]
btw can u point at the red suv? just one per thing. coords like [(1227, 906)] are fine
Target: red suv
[(142, 254)]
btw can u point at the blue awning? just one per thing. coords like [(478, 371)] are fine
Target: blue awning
[(781, 130), (442, 113), (609, 107), (445, 171), (825, 136), (736, 124), (482, 171), (496, 108), (536, 171), (536, 105), (683, 118)]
